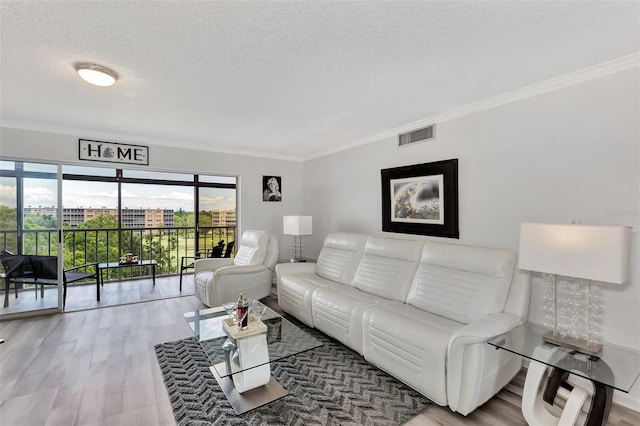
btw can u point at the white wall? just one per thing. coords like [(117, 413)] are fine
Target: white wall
[(254, 213), (568, 154)]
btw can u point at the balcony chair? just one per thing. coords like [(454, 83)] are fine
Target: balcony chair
[(222, 280), (227, 252), (16, 267), (216, 251), (43, 270), (46, 273)]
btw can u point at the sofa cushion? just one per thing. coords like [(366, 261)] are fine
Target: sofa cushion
[(338, 311), (295, 292), (461, 282), (411, 345), (340, 256), (388, 266)]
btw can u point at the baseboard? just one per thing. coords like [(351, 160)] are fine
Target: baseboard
[(625, 400)]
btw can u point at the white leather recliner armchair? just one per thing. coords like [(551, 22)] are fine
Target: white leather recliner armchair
[(220, 280)]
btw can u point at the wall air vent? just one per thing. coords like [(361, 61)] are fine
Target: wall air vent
[(420, 135)]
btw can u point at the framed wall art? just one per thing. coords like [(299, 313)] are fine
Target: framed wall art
[(421, 199), (271, 188)]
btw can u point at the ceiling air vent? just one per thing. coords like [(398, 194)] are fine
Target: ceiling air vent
[(419, 135)]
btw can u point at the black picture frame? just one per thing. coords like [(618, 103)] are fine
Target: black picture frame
[(272, 188), (421, 199)]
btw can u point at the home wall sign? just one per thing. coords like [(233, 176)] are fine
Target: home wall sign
[(112, 152), (421, 199)]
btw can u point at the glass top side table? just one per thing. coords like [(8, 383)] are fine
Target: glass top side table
[(615, 368)]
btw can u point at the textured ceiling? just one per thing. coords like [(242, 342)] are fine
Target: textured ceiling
[(286, 79)]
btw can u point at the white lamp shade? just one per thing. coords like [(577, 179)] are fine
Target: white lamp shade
[(297, 225), (599, 253)]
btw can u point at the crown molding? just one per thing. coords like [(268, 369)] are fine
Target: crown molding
[(127, 138), (566, 80)]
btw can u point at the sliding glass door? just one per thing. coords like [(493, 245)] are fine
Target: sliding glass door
[(96, 215), (28, 228)]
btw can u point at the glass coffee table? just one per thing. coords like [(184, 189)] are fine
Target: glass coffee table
[(241, 366), (614, 368)]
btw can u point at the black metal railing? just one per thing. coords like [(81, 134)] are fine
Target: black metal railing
[(166, 246)]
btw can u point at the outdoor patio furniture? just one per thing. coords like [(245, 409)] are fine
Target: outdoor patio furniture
[(227, 252), (149, 263), (46, 273), (42, 270), (15, 267), (215, 252)]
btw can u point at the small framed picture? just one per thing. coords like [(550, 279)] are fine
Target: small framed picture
[(271, 188)]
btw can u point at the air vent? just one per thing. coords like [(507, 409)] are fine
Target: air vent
[(419, 135)]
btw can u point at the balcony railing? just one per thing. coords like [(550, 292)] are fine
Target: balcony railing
[(164, 245)]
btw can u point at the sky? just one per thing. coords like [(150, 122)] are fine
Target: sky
[(76, 194)]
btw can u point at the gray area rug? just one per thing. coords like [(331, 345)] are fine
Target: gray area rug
[(329, 385)]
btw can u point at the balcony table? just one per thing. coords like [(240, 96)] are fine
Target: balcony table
[(118, 265)]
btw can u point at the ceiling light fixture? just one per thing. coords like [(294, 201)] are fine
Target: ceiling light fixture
[(96, 74)]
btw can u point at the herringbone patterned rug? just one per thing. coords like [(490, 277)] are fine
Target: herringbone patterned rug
[(329, 385)]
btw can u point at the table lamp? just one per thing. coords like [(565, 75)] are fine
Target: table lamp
[(573, 259), (297, 226)]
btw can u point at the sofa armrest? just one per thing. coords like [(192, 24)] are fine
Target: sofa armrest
[(211, 264), (228, 282), (239, 270), (484, 329), (283, 269), (475, 370)]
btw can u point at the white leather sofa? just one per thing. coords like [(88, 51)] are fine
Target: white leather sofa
[(420, 310), (220, 280)]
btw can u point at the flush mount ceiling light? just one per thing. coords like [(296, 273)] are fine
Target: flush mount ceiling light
[(96, 74)]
